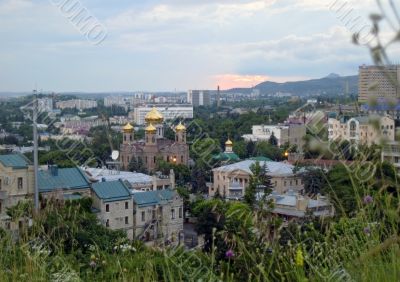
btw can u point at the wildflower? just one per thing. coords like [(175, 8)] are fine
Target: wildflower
[(92, 264), (299, 257), (368, 199), (93, 257), (367, 230), (229, 254)]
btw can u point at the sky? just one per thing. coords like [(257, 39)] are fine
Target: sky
[(157, 45)]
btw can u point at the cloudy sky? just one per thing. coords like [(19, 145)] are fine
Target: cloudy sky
[(175, 44)]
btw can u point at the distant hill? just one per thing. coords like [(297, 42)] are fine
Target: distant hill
[(331, 84)]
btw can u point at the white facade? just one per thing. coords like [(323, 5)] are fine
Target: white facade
[(292, 133), (169, 112), (76, 104), (366, 130)]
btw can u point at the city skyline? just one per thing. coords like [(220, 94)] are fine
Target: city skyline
[(168, 45)]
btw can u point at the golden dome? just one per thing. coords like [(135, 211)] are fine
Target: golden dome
[(180, 127), (229, 142), (128, 128), (154, 116), (151, 129)]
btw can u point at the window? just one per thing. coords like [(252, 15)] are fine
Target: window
[(1, 183), (107, 208), (181, 159), (180, 212), (126, 205), (107, 223), (143, 216), (126, 220), (172, 213), (20, 183)]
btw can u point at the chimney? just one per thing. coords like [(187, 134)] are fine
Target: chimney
[(53, 170)]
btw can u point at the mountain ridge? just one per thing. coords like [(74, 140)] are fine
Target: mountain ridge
[(331, 84)]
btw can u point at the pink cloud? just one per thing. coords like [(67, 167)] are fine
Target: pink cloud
[(227, 81)]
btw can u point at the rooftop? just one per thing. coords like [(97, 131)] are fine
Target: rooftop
[(111, 191), (151, 198), (62, 178), (275, 168), (15, 161), (112, 175)]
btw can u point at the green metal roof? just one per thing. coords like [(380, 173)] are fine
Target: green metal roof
[(227, 157), (15, 161), (65, 179), (152, 197), (111, 191)]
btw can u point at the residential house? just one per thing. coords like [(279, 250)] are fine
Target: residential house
[(158, 217), (113, 205), (16, 184)]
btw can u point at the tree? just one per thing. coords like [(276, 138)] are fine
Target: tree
[(210, 215), (343, 188), (314, 180), (273, 140), (199, 179), (250, 149), (136, 165), (259, 180)]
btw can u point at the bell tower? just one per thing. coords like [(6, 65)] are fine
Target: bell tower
[(228, 146), (127, 134), (150, 135), (180, 133)]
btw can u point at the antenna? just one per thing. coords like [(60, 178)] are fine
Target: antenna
[(35, 149)]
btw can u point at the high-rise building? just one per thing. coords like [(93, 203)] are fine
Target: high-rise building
[(198, 97), (378, 82), (169, 112)]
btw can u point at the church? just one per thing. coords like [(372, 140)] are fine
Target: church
[(154, 146)]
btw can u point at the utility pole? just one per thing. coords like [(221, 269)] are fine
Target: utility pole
[(35, 149)]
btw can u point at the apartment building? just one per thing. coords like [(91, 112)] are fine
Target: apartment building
[(365, 130), (169, 112), (378, 82), (76, 104), (199, 98)]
